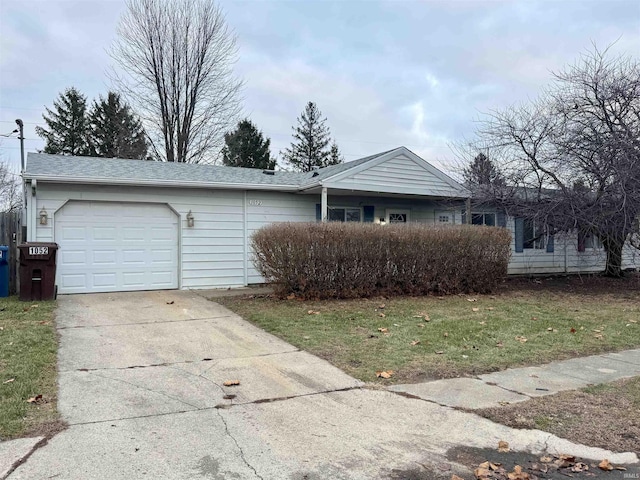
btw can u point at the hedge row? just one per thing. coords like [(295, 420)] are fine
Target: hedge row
[(350, 260)]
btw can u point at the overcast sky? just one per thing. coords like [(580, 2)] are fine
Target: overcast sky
[(385, 74)]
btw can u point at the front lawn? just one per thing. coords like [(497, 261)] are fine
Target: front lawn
[(28, 347), (421, 338), (606, 416)]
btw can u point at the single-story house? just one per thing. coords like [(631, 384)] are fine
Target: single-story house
[(141, 225)]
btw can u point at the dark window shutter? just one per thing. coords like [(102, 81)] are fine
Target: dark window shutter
[(501, 219), (550, 243), (368, 213), (519, 234), (581, 242), (318, 212)]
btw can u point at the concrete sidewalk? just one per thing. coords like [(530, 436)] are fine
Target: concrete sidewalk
[(141, 384), (520, 384)]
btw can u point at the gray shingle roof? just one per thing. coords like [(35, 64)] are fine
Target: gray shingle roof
[(41, 165)]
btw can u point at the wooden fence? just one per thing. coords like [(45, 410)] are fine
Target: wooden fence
[(10, 236)]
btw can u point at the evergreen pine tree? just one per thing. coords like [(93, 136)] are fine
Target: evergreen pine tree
[(247, 147), (67, 132), (482, 171), (311, 145), (115, 130), (335, 157)]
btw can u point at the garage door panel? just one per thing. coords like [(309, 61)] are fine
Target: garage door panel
[(74, 233), (133, 257), (72, 257), (104, 233), (69, 281), (108, 247)]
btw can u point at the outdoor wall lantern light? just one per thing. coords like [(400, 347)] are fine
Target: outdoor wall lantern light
[(382, 221), (44, 217), (190, 221)]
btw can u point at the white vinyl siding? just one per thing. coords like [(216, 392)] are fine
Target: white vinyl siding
[(397, 175), (211, 253), (565, 258)]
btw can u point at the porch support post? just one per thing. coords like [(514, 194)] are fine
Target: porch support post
[(324, 206), (468, 207)]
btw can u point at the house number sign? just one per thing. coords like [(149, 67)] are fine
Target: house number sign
[(38, 250), (255, 203)]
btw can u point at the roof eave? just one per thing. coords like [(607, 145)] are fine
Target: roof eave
[(158, 183)]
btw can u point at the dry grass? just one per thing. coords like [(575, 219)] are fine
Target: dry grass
[(606, 416), (28, 346), (559, 318)]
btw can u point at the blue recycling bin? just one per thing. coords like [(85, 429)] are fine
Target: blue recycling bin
[(4, 271)]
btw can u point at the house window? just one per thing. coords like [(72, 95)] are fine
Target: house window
[(592, 241), (344, 214), (398, 216), (533, 235), (443, 219), (488, 219)]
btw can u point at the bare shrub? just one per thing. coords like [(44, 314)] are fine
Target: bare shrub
[(350, 260)]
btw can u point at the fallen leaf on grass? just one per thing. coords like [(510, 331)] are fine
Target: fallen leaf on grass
[(384, 374), (231, 383), (534, 318), (546, 459), (490, 308), (500, 344), (521, 339), (383, 330), (475, 309), (503, 446), (439, 352), (381, 306), (421, 325), (313, 312), (605, 465), (445, 334), (472, 299), (291, 296), (415, 342), (483, 323), (550, 329), (456, 477), (381, 315), (9, 381), (35, 399), (573, 330)]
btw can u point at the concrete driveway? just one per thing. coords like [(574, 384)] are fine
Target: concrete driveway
[(141, 386)]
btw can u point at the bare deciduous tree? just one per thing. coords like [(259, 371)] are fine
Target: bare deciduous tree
[(10, 195), (177, 60), (571, 158)]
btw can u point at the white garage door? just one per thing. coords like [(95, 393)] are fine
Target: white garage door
[(113, 247)]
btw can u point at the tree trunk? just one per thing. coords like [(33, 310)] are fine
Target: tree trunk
[(614, 259)]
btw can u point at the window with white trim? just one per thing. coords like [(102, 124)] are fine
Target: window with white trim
[(345, 214), (592, 241), (534, 235), (480, 218), (444, 219)]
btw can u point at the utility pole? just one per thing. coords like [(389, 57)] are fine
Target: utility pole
[(23, 229), (21, 138)]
